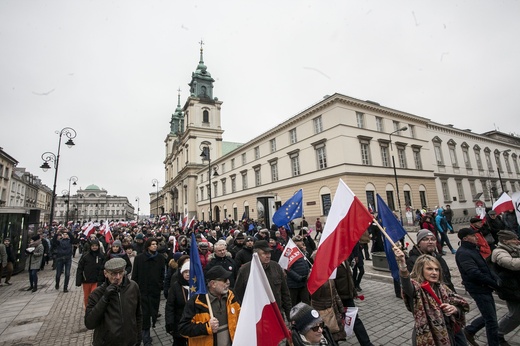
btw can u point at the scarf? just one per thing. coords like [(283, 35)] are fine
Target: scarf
[(432, 327)]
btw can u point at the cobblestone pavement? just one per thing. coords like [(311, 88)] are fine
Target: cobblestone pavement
[(51, 317)]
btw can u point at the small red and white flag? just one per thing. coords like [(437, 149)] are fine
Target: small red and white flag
[(105, 230), (348, 219), (260, 321), (88, 229), (291, 253), (504, 203), (190, 224)]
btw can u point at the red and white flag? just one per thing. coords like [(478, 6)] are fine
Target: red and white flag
[(290, 254), (105, 229), (348, 219), (260, 321), (190, 224), (88, 229), (504, 203)]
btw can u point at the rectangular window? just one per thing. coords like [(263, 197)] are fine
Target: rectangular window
[(407, 198), (274, 171), (326, 203), (438, 154), (244, 180), (273, 145), (232, 163), (258, 177), (244, 159), (257, 153), (295, 165), (379, 124), (360, 117), (508, 164), (224, 187), (422, 196), (402, 157), (485, 190), (460, 191), (292, 136), (472, 189), (215, 192), (479, 160), (201, 193), (396, 125), (515, 164), (412, 130), (453, 157), (417, 159), (445, 191), (318, 126), (465, 157), (390, 200), (233, 184), (488, 161), (321, 156), (498, 162), (365, 154), (385, 155)]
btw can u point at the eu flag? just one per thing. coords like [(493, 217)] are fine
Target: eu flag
[(292, 209), (196, 281), (395, 231)]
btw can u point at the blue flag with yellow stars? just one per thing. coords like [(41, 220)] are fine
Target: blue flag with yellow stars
[(292, 209), (196, 281)]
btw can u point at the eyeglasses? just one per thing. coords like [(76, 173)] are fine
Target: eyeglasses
[(114, 274), (317, 328)]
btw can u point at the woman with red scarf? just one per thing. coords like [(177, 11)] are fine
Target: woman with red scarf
[(439, 313)]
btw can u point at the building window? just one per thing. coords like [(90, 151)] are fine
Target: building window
[(233, 183), (232, 163), (244, 159), (326, 203), (417, 156), (205, 116), (257, 153), (487, 154), (360, 117), (244, 180), (460, 191), (508, 164), (274, 171), (223, 168), (273, 145), (478, 158), (453, 154), (215, 192), (202, 193), (485, 190), (223, 181), (390, 199), (465, 155), (396, 125), (318, 126), (497, 160), (438, 151), (401, 154), (472, 189), (258, 177), (295, 164), (385, 153), (321, 156), (364, 143), (445, 191), (412, 130), (515, 163), (379, 124), (292, 136), (422, 196)]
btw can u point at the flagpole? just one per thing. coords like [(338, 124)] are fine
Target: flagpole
[(209, 306), (388, 237)]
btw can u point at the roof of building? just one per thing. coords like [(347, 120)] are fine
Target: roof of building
[(228, 147), (92, 187)]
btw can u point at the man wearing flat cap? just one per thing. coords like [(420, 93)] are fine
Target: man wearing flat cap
[(480, 282), (217, 326), (275, 276), (114, 308), (506, 262)]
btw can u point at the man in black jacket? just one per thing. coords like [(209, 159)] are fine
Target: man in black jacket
[(63, 244), (114, 308), (480, 283)]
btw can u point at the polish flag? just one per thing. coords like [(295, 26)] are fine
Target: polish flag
[(348, 219), (105, 229), (504, 203), (260, 321), (88, 229), (291, 253), (190, 224)]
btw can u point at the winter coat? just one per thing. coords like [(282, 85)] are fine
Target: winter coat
[(118, 322), (225, 262), (446, 275), (63, 247), (177, 298), (194, 323), (90, 268), (325, 297), (344, 282), (148, 272), (297, 274), (243, 256), (34, 259), (121, 254), (475, 272), (506, 262)]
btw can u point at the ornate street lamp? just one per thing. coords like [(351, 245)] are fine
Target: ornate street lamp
[(137, 200), (155, 183), (404, 128), (72, 179), (205, 147), (47, 157)]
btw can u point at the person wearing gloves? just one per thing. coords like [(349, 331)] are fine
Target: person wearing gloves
[(308, 328), (114, 308)]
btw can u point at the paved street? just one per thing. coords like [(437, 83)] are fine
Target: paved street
[(51, 317)]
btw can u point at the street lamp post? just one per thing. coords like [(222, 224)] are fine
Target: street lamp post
[(155, 183), (498, 168), (137, 200), (72, 179), (404, 128), (55, 158), (206, 156)]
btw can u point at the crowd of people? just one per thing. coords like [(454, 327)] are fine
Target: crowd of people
[(123, 276)]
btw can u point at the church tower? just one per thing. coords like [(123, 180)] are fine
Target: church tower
[(194, 126)]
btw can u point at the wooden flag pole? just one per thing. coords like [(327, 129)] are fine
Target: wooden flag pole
[(209, 306), (388, 237)]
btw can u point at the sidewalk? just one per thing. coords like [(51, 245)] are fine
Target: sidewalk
[(51, 317)]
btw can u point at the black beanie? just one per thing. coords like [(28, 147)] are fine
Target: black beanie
[(304, 317)]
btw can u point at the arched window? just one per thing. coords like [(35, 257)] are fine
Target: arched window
[(205, 116)]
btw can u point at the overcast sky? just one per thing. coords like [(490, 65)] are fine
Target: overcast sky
[(111, 70)]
